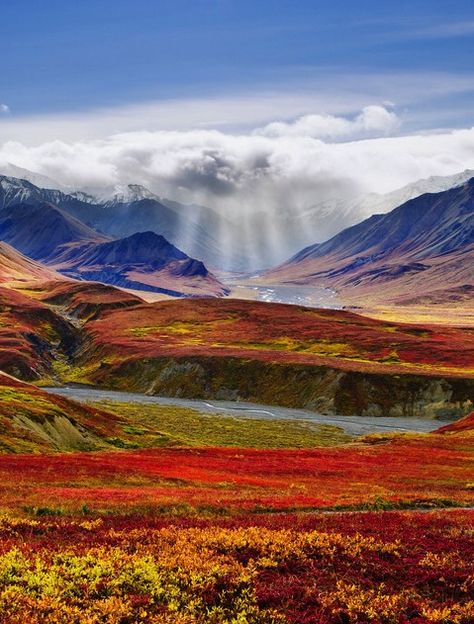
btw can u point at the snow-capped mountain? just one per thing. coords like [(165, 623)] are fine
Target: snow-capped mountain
[(15, 191), (378, 203), (261, 240), (118, 219), (38, 179), (121, 193)]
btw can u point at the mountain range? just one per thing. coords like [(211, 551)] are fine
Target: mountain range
[(127, 210), (246, 242), (33, 221), (421, 251), (295, 229)]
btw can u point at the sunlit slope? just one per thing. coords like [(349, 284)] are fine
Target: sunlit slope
[(14, 267)]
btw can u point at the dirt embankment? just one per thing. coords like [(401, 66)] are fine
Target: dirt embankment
[(320, 388)]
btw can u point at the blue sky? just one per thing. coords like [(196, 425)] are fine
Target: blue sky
[(58, 56), (238, 103)]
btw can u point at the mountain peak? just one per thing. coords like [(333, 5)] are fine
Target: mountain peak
[(37, 179), (131, 193), (147, 235)]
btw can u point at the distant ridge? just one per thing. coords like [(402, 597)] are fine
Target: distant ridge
[(39, 229), (426, 244)]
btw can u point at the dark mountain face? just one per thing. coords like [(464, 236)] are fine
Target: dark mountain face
[(143, 261), (188, 268), (119, 219), (38, 230), (424, 246), (191, 228), (32, 221), (143, 248)]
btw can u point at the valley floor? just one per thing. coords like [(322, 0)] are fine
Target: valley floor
[(447, 315), (425, 470), (453, 314), (192, 529)]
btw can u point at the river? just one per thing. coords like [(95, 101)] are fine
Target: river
[(353, 425), (309, 296)]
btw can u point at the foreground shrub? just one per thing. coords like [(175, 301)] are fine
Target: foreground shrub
[(123, 571)]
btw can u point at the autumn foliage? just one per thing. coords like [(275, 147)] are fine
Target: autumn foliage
[(280, 333), (416, 470), (379, 568)]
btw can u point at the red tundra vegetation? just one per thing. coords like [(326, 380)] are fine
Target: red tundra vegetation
[(427, 470), (465, 424), (281, 333), (381, 568)]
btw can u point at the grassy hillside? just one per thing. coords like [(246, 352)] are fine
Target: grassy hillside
[(32, 335), (33, 421), (331, 361), (282, 334)]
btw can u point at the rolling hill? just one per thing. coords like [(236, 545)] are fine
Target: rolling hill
[(331, 361), (32, 421)]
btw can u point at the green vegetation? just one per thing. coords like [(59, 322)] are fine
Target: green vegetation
[(163, 425), (67, 372)]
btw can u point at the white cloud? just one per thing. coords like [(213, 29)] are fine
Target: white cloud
[(336, 93), (372, 121), (446, 30), (245, 173), (246, 170), (4, 109)]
